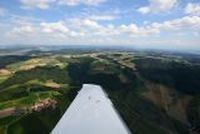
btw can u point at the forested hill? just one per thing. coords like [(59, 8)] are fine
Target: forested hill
[(153, 92)]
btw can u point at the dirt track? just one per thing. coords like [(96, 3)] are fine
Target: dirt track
[(7, 112)]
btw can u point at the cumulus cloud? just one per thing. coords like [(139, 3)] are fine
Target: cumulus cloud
[(54, 27), (192, 9), (187, 22), (59, 29), (182, 24), (156, 6), (78, 30), (22, 30), (89, 23), (102, 17), (41, 4), (45, 4), (134, 30), (78, 2), (89, 27)]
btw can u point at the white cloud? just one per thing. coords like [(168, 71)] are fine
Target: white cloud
[(90, 23), (77, 26), (87, 31), (45, 4), (134, 30), (41, 4), (54, 27), (91, 27), (85, 27), (78, 2), (188, 22), (156, 6), (60, 29), (102, 17), (192, 9), (182, 24), (22, 30), (144, 10)]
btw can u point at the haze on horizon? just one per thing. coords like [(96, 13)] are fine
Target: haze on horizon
[(165, 24)]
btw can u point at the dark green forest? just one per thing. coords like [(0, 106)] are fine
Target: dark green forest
[(153, 94)]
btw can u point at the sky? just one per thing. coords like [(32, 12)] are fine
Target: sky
[(167, 24)]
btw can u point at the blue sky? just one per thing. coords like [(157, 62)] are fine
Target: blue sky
[(141, 23)]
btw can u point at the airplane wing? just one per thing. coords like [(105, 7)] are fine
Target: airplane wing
[(91, 112)]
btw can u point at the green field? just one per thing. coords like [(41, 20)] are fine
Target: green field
[(152, 92)]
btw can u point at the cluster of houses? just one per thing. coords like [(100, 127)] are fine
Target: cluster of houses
[(42, 104)]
